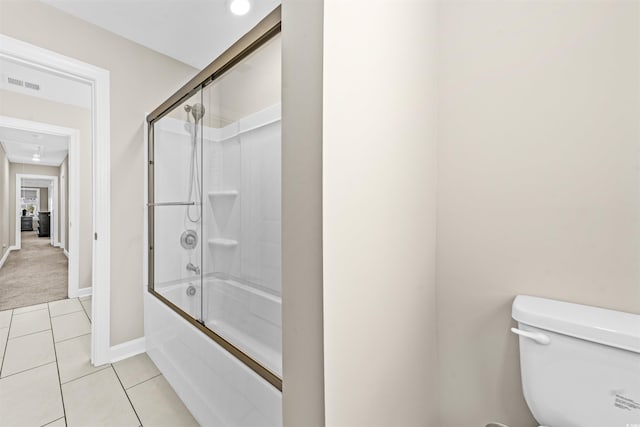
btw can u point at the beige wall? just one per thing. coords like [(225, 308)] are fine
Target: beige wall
[(538, 182), (39, 110), (379, 213), (44, 199), (140, 80), (4, 203), (302, 336)]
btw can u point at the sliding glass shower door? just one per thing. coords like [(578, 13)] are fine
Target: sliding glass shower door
[(177, 206), (214, 207), (241, 206)]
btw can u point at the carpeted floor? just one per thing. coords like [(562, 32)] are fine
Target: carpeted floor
[(35, 274)]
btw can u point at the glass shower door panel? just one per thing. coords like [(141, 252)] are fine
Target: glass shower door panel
[(177, 207), (241, 207)]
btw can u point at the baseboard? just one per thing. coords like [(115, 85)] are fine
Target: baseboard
[(57, 245), (66, 253), (6, 255), (85, 292), (127, 349), (82, 292)]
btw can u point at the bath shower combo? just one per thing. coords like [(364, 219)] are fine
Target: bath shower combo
[(213, 307)]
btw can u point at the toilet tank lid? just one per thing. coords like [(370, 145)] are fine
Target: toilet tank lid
[(609, 327)]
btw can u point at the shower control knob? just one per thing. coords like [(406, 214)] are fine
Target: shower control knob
[(189, 239)]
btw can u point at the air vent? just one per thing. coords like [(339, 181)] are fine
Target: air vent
[(30, 85), (16, 82)]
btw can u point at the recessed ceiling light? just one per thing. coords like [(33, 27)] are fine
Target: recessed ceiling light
[(239, 7)]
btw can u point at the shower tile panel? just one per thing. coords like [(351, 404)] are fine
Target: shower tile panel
[(222, 216), (172, 156), (261, 205)]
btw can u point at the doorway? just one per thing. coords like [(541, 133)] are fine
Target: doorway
[(97, 80)]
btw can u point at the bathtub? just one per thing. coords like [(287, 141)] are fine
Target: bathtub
[(218, 389)]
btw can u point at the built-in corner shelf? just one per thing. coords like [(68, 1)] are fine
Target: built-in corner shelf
[(222, 194), (225, 243)]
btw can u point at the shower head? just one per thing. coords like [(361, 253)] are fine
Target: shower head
[(197, 111)]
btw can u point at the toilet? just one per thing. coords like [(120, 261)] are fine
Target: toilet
[(580, 365)]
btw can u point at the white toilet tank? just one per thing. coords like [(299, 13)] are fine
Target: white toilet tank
[(580, 365)]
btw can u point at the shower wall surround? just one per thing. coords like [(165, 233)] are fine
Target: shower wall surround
[(213, 311)]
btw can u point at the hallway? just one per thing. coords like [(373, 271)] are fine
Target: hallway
[(35, 274)]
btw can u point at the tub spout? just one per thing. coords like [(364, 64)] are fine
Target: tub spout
[(193, 268)]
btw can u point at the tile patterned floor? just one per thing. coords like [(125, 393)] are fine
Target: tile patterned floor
[(46, 377)]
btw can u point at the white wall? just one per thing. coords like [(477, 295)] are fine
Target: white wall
[(538, 182), (4, 203), (140, 79), (379, 170), (64, 180)]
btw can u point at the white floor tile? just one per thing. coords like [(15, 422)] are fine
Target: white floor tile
[(27, 352), (70, 326), (98, 400), (30, 308), (5, 318), (158, 405), (74, 358), (135, 370), (31, 398), (30, 322), (65, 306)]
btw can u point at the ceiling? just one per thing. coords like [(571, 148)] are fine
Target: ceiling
[(192, 31), (20, 147)]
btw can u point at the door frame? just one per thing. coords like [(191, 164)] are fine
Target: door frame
[(53, 209), (99, 80)]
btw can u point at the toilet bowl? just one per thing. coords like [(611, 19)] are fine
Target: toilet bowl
[(580, 365)]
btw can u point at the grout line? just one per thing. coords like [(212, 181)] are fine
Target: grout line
[(85, 312), (6, 344), (31, 311), (30, 333), (127, 394), (30, 369), (72, 338), (58, 419), (64, 314), (55, 352), (96, 370), (142, 382)]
